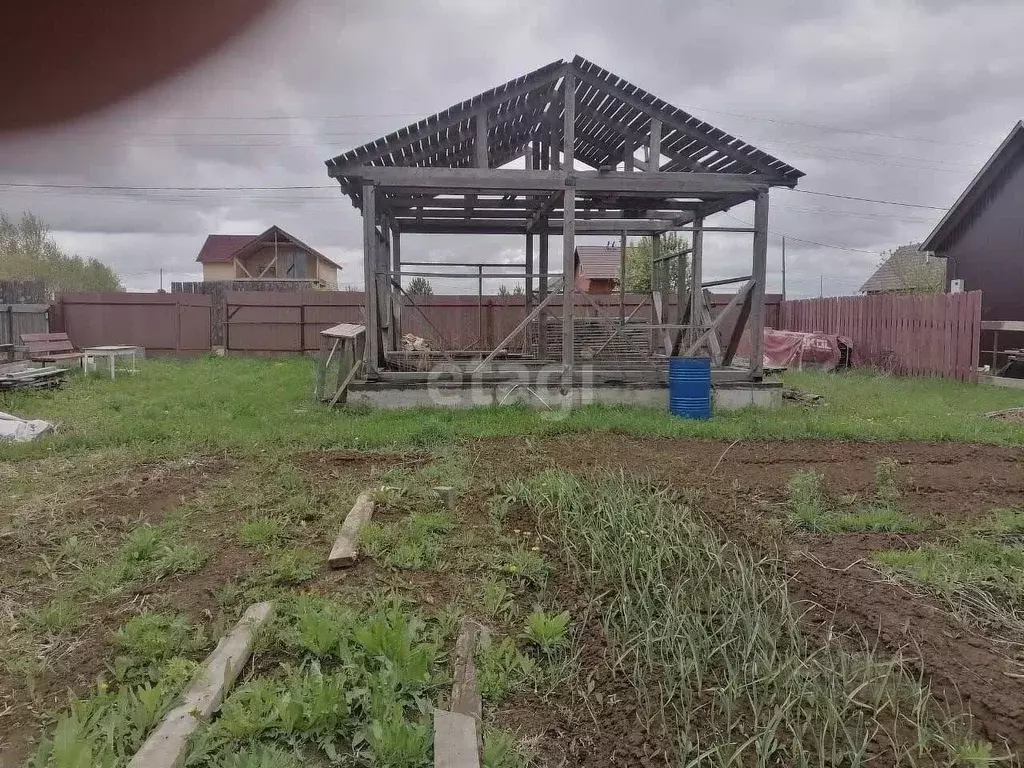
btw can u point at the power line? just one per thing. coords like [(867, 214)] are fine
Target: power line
[(870, 200), (169, 189), (803, 240), (838, 129)]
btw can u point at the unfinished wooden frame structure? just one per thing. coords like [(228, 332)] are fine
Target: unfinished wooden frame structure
[(600, 156)]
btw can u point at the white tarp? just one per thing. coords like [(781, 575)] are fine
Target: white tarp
[(13, 429)]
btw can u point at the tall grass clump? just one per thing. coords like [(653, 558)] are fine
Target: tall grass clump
[(704, 629)]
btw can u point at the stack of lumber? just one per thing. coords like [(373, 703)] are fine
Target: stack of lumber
[(26, 377)]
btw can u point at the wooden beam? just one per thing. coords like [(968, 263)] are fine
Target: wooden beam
[(455, 740), (627, 154), (168, 746), (759, 272), (480, 142), (528, 288), (654, 158), (569, 120), (430, 128), (696, 272), (669, 184), (518, 329), (679, 125), (743, 295), (372, 359), (346, 547), (622, 278), (741, 322), (496, 180)]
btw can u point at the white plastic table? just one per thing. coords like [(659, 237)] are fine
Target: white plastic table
[(110, 354)]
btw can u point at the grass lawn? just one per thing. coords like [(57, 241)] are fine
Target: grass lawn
[(248, 405), (169, 501)]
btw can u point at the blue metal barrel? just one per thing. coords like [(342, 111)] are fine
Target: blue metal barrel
[(689, 387)]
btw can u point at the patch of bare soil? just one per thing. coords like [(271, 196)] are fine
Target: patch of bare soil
[(74, 663), (743, 485)]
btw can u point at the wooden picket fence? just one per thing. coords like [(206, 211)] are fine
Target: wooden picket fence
[(936, 334)]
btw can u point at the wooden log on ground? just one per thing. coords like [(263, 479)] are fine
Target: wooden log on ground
[(455, 740), (465, 693), (168, 745), (346, 546)]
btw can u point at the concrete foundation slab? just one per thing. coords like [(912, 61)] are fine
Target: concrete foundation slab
[(468, 394)]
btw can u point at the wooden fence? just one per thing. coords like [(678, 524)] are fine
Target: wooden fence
[(163, 323), (291, 321), (935, 334)]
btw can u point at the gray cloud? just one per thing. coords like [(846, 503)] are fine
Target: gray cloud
[(942, 75)]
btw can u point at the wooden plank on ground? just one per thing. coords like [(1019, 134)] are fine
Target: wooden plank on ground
[(168, 745), (346, 546), (465, 693), (455, 740)]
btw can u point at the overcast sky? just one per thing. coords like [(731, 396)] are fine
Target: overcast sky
[(900, 101)]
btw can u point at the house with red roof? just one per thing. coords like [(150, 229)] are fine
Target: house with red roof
[(597, 268), (272, 255)]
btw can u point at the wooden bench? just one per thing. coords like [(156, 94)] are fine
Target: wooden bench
[(49, 347)]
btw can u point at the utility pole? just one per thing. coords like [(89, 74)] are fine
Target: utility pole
[(161, 279), (783, 267), (821, 290)]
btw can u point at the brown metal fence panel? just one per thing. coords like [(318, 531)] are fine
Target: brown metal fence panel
[(162, 323), (920, 335), (285, 321)]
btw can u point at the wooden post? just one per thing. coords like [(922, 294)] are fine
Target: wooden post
[(622, 279), (370, 277), (568, 128), (627, 155), (480, 305), (480, 122), (542, 288), (696, 278), (568, 230), (396, 299), (759, 273), (654, 160), (659, 313), (543, 246), (529, 271)]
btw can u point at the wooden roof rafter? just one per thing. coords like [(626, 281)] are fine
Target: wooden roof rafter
[(613, 119)]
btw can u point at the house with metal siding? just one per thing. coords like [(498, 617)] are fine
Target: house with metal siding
[(982, 234)]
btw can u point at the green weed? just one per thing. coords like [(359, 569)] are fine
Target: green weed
[(151, 637), (501, 668), (808, 505), (548, 632), (415, 543), (502, 750), (288, 567), (264, 531), (807, 499), (887, 489), (60, 615), (526, 565), (495, 598)]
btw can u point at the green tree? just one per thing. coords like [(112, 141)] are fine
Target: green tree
[(29, 252), (638, 261), (518, 290), (420, 286)]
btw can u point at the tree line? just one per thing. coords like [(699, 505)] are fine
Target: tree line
[(28, 251)]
